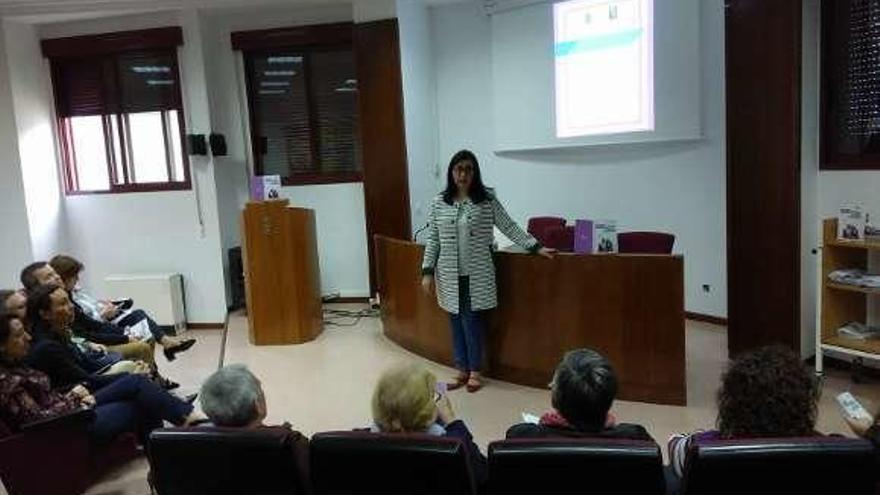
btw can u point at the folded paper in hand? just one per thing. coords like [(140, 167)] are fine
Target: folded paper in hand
[(140, 331), (530, 418)]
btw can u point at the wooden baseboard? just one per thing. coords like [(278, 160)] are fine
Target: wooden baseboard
[(715, 320), (347, 300), (204, 326)]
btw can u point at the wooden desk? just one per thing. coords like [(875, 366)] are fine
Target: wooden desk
[(628, 307)]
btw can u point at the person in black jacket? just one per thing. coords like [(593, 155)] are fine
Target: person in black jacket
[(583, 389), (106, 317), (130, 403), (104, 335), (869, 429), (53, 352)]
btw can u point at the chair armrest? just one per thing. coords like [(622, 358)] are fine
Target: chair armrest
[(76, 418)]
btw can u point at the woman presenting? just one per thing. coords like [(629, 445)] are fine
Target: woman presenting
[(458, 255)]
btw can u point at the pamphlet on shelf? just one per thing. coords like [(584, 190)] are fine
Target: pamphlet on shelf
[(858, 331), (605, 236), (851, 223), (855, 277), (872, 232)]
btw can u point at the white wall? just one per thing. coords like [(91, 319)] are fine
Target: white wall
[(230, 172), (419, 107), (15, 244), (342, 235), (373, 10), (148, 233), (673, 187), (108, 24), (339, 209), (34, 117), (175, 231), (810, 231)]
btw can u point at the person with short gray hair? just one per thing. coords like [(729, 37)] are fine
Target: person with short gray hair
[(583, 390), (233, 396)]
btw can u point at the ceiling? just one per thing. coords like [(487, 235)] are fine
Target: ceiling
[(51, 11)]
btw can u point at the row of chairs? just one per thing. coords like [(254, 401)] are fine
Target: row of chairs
[(227, 461), (54, 457), (554, 233)]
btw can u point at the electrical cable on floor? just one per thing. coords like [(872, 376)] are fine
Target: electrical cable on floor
[(347, 318), (223, 340)]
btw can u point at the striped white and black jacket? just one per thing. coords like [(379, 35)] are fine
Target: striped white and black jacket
[(441, 250)]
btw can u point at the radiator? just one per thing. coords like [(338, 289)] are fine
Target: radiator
[(159, 294)]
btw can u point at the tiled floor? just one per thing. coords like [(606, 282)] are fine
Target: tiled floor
[(326, 384)]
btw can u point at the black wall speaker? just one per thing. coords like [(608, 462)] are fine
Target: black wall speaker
[(218, 144), (196, 144)]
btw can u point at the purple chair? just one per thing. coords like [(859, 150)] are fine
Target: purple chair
[(269, 460), (780, 465), (554, 465), (645, 242), (538, 227), (62, 444), (391, 464)]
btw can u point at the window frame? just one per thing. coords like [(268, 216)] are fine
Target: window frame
[(107, 47), (305, 41), (831, 63)]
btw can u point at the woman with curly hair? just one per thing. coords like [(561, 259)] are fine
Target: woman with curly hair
[(765, 393)]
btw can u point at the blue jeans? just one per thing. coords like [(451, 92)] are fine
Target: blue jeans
[(133, 403), (467, 331)]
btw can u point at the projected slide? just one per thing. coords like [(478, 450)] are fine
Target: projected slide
[(604, 67)]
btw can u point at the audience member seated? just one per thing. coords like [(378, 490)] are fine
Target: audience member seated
[(130, 403), (106, 312), (266, 459), (53, 352), (111, 337), (867, 428), (767, 393), (14, 302), (233, 397), (407, 400), (583, 389)]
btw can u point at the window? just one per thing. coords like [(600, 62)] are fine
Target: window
[(303, 106), (120, 118), (850, 84)]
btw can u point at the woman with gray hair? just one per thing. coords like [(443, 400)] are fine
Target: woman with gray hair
[(233, 396)]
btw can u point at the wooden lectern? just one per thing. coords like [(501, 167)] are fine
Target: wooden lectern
[(282, 277)]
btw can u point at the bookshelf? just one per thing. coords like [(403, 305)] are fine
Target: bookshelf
[(840, 303)]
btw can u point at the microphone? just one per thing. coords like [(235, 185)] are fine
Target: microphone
[(419, 231)]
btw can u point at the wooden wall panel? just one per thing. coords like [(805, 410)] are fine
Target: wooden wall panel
[(380, 102), (763, 44)]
